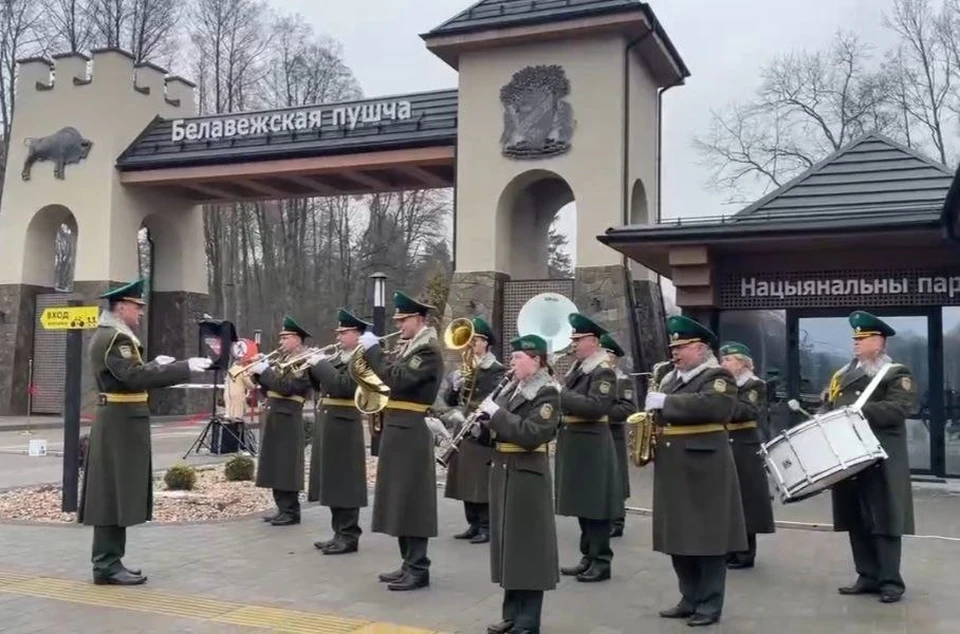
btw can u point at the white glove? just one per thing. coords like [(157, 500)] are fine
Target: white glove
[(260, 368), (488, 407), (162, 359), (199, 364), (456, 380), (437, 428), (655, 400), (368, 340), (314, 359), (456, 417)]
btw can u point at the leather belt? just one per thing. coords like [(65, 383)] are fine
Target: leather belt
[(338, 402), (509, 447), (123, 397), (687, 430), (747, 424), (408, 406), (284, 397), (580, 419)]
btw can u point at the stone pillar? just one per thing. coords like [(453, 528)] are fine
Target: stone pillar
[(476, 294), (652, 345), (174, 331), (17, 318)]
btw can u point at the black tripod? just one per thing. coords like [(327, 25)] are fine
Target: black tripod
[(221, 433)]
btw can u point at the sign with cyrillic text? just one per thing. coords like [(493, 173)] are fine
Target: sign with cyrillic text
[(260, 123), (840, 288)]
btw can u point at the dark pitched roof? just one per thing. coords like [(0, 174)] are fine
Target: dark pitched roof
[(488, 14), (432, 121), (871, 175), (950, 215), (499, 14)]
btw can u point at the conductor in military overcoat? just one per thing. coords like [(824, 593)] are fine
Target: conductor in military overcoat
[(117, 489), (283, 442), (468, 471), (745, 440), (522, 420), (875, 507), (588, 479), (622, 408), (405, 497), (697, 512), (338, 463)]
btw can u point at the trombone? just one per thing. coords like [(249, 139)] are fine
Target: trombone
[(238, 371), (298, 362)]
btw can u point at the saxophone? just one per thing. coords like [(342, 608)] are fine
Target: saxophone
[(642, 426)]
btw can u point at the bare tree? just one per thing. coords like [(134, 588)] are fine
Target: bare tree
[(923, 66), (67, 25), (808, 105), (145, 28), (19, 20)]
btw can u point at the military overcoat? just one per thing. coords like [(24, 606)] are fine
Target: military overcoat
[(282, 441), (885, 489), (523, 531), (622, 408), (117, 487), (338, 461), (588, 479), (696, 495), (468, 473), (751, 473), (405, 497)]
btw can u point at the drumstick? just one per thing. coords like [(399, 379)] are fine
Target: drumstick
[(795, 406)]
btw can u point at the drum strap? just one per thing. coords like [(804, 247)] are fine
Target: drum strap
[(871, 388)]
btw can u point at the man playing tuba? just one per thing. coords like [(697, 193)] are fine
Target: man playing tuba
[(468, 472), (405, 497)]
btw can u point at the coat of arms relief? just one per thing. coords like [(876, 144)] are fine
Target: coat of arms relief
[(537, 121)]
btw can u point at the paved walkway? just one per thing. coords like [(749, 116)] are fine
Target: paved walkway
[(246, 576)]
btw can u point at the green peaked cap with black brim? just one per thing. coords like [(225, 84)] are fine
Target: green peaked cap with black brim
[(529, 343), (291, 327), (132, 292), (608, 343), (406, 306), (734, 347), (583, 326), (865, 324), (683, 330), (348, 321), (482, 329)]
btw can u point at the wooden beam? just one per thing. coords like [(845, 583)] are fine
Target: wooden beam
[(365, 179), (314, 184), (317, 165), (210, 192), (264, 188), (427, 178)]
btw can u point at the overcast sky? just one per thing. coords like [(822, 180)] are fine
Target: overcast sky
[(723, 44)]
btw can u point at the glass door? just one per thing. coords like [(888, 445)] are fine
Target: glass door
[(824, 346), (951, 390)]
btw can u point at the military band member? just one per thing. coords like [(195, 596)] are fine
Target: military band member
[(118, 474), (338, 462), (697, 513), (523, 549), (588, 479), (875, 507), (405, 497), (622, 408), (745, 441), (282, 441), (468, 472)]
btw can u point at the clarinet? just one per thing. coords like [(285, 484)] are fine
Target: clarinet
[(443, 458)]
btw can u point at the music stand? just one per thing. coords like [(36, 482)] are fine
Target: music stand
[(218, 340)]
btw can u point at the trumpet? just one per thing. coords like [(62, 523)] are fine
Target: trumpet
[(298, 362), (241, 370)]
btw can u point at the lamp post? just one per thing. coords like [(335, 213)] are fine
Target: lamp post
[(379, 302)]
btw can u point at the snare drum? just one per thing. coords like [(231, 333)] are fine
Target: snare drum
[(815, 455)]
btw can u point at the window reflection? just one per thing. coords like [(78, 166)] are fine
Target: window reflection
[(826, 346), (951, 388)]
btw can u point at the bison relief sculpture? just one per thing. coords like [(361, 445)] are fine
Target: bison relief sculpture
[(64, 147), (537, 120)]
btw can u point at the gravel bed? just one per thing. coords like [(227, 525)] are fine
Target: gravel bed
[(213, 498)]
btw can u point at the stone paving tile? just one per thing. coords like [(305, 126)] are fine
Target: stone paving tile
[(792, 589)]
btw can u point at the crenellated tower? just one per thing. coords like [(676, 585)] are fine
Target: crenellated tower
[(74, 114)]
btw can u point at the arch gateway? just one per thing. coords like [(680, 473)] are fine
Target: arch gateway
[(557, 101)]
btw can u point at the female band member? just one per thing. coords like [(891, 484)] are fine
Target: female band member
[(523, 536)]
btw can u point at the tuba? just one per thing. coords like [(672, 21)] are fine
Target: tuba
[(459, 336), (642, 426), (372, 393)]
